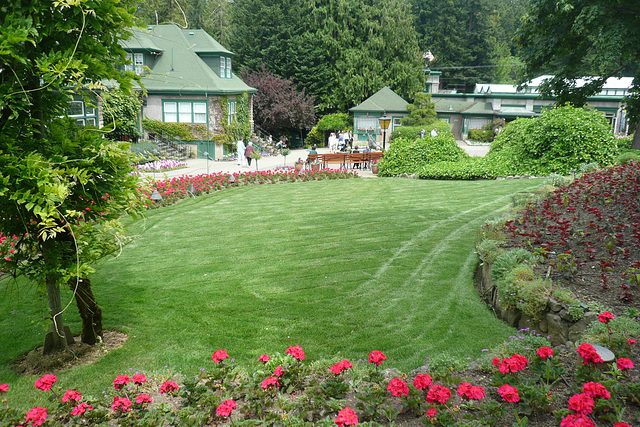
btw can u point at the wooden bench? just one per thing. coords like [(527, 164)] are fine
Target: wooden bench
[(345, 159)]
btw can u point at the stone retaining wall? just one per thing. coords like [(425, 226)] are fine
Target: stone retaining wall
[(555, 322)]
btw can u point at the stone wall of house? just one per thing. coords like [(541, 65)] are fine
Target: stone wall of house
[(215, 122), (555, 322)]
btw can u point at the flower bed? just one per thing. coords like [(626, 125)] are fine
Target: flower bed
[(286, 390), (161, 166), (175, 189)]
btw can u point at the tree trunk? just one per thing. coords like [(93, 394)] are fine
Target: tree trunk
[(635, 144), (56, 339), (89, 310)]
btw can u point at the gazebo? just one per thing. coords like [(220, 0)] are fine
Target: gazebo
[(366, 115)]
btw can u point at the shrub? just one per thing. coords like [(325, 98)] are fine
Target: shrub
[(488, 251), (315, 137), (589, 167), (558, 141), (407, 155), (556, 180), (482, 135), (627, 157), (181, 131), (508, 260)]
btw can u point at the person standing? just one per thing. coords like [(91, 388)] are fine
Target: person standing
[(248, 152), (240, 150)]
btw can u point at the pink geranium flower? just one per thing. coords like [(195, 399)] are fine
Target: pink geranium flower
[(4, 388), (438, 394), (432, 412), (377, 357), (509, 393), (121, 381), (72, 395), (37, 415), (343, 365), (422, 381), (278, 372), (588, 353), (470, 392), (81, 409), (595, 390), (296, 352), (168, 386), (398, 387), (346, 417), (139, 379), (46, 382), (143, 398), (577, 420), (219, 356), (270, 382), (545, 352), (581, 403), (605, 317), (225, 408), (121, 404), (623, 363), (264, 358)]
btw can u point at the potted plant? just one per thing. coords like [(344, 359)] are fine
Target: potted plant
[(374, 167), (285, 152), (299, 164), (315, 165), (256, 155)]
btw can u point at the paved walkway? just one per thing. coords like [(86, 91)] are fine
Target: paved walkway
[(203, 166)]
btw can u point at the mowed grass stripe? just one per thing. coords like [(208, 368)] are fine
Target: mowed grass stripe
[(256, 269)]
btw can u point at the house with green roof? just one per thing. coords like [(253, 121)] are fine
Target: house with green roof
[(188, 77), (488, 102), (367, 113)]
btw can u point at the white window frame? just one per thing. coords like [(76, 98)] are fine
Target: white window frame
[(232, 111), (228, 67), (135, 63), (180, 111), (223, 63)]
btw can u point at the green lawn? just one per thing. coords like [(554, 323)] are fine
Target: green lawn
[(338, 267)]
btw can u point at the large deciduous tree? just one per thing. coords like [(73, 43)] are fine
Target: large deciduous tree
[(278, 105), (62, 187), (574, 39), (341, 51)]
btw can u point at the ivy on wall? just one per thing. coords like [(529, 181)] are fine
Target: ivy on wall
[(241, 126)]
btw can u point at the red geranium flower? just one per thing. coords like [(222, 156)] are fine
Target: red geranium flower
[(270, 381), (589, 353), (346, 417), (46, 382), (342, 365), (121, 381), (121, 404), (4, 388), (439, 394), (595, 390), (143, 398), (432, 412), (621, 425), (219, 356), (72, 395), (81, 409), (545, 352), (576, 420), (624, 363), (470, 392), (139, 379), (168, 386), (422, 381), (509, 393), (605, 317), (296, 352), (278, 372), (37, 416), (225, 408), (581, 403), (264, 358), (398, 387), (377, 357)]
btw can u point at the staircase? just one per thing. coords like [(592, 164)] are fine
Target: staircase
[(168, 148)]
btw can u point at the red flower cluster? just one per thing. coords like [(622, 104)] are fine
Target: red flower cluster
[(514, 363), (121, 404), (438, 394), (4, 388), (81, 409), (121, 381), (596, 390), (219, 356), (624, 363), (225, 408), (46, 382), (377, 357), (545, 352), (270, 381), (139, 379), (143, 398), (581, 403), (422, 381), (342, 365), (296, 352), (168, 387), (432, 412), (509, 393), (589, 353), (278, 372), (577, 420), (605, 317), (72, 395), (264, 358), (398, 387), (37, 415), (470, 392), (346, 417)]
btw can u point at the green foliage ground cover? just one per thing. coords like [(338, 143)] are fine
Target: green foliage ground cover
[(259, 268)]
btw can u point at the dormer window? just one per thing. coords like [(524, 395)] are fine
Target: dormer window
[(225, 67), (135, 63), (228, 68)]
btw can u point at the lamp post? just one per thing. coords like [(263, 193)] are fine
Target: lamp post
[(208, 158), (384, 125)]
